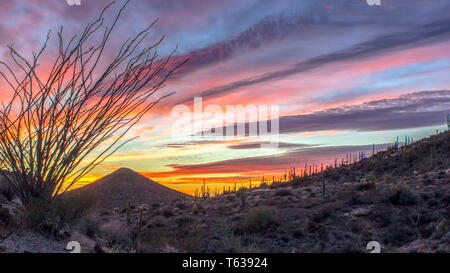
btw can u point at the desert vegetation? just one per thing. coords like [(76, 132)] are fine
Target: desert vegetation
[(374, 199)]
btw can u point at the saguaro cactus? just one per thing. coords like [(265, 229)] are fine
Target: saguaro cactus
[(448, 121)]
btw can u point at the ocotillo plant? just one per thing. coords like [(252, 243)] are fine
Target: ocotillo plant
[(66, 117)]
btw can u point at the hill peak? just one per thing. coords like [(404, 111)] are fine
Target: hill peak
[(124, 170), (125, 186)]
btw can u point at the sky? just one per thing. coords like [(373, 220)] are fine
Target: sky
[(344, 75)]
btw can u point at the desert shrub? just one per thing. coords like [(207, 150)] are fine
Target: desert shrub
[(279, 184), (333, 176), (117, 233), (89, 225), (105, 212), (197, 208), (399, 234), (260, 219), (230, 242), (6, 190), (297, 233), (175, 211), (410, 156), (74, 206), (230, 197), (438, 194), (356, 199), (369, 178), (283, 192), (5, 216), (183, 221), (51, 215), (446, 200), (177, 241), (433, 202), (321, 215), (191, 240), (155, 205), (402, 195), (167, 212), (423, 170), (312, 227), (382, 215), (181, 205), (387, 177), (323, 234), (356, 227), (158, 221), (427, 181), (365, 186)]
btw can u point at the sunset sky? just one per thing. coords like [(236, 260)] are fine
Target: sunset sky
[(345, 75)]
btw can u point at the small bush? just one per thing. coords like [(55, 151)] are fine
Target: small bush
[(155, 205), (365, 186), (283, 192), (6, 190), (197, 209), (181, 205), (312, 227), (399, 235), (5, 216), (387, 177), (427, 181), (321, 215), (402, 195), (89, 225), (167, 212), (298, 233), (184, 221), (51, 215), (259, 219), (382, 215), (158, 221), (356, 199), (230, 197), (370, 178), (117, 233)]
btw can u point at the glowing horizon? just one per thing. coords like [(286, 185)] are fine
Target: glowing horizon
[(345, 75)]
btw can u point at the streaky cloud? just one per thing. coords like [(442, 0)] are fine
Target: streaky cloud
[(420, 34)]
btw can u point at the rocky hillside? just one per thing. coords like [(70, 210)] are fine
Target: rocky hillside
[(399, 198)]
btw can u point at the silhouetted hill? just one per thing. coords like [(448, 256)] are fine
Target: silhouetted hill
[(124, 187)]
